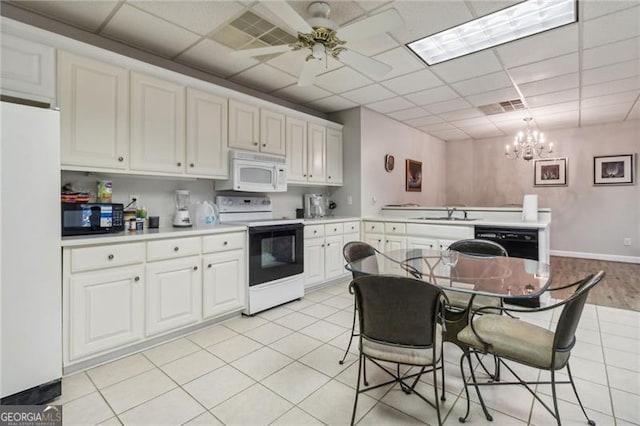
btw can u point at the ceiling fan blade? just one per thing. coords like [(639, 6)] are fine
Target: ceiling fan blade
[(259, 51), (374, 25), (309, 72), (370, 67), (288, 14)]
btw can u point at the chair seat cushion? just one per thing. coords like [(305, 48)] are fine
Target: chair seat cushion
[(514, 339), (402, 354), (460, 300)]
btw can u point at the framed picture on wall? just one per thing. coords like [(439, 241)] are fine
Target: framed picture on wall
[(550, 172), (414, 176), (613, 169)]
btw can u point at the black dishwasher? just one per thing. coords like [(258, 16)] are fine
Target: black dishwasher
[(519, 242)]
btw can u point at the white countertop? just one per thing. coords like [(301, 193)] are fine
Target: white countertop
[(459, 208), (147, 234), (481, 222), (330, 219)]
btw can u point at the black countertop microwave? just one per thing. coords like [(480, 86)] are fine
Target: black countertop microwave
[(92, 218)]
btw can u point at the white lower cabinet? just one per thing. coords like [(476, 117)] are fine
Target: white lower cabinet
[(333, 258), (422, 243), (223, 283), (313, 261), (323, 250), (105, 309), (173, 294), (394, 243), (375, 240)]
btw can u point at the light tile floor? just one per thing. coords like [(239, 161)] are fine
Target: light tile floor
[(281, 367)]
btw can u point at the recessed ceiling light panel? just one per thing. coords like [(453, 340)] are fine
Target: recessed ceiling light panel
[(515, 22)]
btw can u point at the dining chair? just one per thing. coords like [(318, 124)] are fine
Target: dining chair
[(353, 251), (401, 323), (512, 339)]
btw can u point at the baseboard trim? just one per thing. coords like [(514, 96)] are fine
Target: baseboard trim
[(596, 256)]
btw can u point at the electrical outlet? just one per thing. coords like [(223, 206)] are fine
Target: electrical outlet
[(627, 241), (349, 200), (374, 200)]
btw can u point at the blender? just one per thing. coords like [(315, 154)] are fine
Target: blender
[(181, 217)]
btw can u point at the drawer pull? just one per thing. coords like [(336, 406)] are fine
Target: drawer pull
[(264, 145), (255, 143), (335, 229), (310, 175), (191, 165), (195, 268), (394, 228), (178, 164), (225, 243), (323, 245), (329, 177), (304, 175), (315, 231), (110, 257), (136, 279), (121, 159), (176, 248), (209, 266)]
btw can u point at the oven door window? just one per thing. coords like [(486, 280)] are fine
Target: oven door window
[(275, 252)]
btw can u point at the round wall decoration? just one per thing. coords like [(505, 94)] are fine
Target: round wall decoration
[(389, 162)]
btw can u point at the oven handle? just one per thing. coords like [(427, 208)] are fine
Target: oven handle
[(270, 228)]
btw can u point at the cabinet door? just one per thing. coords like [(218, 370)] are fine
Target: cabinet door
[(422, 243), (223, 283), (244, 125), (313, 261), (272, 132), (316, 162), (333, 258), (173, 294), (375, 240), (28, 69), (157, 125), (334, 156), (207, 151), (394, 243), (296, 137), (94, 113), (106, 310)]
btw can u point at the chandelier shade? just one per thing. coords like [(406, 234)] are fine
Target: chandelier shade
[(528, 143)]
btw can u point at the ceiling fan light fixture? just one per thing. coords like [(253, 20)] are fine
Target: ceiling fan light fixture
[(318, 51)]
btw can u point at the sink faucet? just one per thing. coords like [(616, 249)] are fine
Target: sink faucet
[(450, 212)]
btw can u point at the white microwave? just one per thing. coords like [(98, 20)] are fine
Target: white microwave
[(254, 172)]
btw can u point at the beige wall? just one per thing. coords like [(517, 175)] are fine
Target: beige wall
[(585, 218)]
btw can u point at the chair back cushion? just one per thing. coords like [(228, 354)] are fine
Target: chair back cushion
[(478, 248), (570, 316), (397, 310), (356, 250)]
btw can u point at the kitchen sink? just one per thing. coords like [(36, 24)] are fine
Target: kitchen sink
[(451, 219)]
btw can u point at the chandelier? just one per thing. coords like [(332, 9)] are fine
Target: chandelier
[(528, 144)]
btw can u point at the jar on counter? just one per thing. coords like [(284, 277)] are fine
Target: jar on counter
[(133, 224)]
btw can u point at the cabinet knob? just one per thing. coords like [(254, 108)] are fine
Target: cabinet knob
[(329, 177), (110, 257), (335, 229), (176, 248), (264, 145), (310, 175), (304, 175), (136, 279), (178, 164), (315, 232), (191, 165), (322, 245), (121, 159), (379, 241), (209, 266), (225, 243), (255, 143), (394, 228), (195, 268)]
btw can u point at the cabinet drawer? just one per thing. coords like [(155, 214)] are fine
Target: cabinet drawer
[(333, 229), (395, 228), (375, 227), (169, 249), (314, 231), (223, 242), (89, 258), (351, 227)]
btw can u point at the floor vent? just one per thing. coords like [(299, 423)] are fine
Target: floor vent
[(500, 107), (249, 31)]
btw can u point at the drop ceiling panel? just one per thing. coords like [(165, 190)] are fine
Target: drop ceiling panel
[(494, 96), (462, 114), (611, 53), (451, 135), (611, 72), (135, 27), (550, 85), (342, 12), (423, 121), (439, 127), (611, 87), (545, 69), (619, 98), (556, 108), (486, 131), (390, 105), (87, 15), (211, 56), (486, 83), (371, 4), (592, 9), (610, 113), (553, 98), (368, 94), (539, 47), (402, 61), (472, 122), (610, 28), (413, 82), (332, 104), (264, 77), (201, 17), (372, 45), (635, 112), (485, 7), (341, 80), (301, 95), (466, 67), (558, 121), (432, 96), (410, 113), (446, 106), (511, 116)]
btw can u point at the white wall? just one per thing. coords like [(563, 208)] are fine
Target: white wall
[(351, 160), (382, 135), (585, 218)]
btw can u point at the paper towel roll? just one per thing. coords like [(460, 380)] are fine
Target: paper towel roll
[(530, 208)]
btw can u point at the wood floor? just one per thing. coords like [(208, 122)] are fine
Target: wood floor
[(619, 289)]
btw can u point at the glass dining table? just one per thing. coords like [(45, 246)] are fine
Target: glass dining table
[(504, 277)]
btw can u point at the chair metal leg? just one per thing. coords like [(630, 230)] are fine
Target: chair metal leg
[(355, 402), (443, 397), (435, 392), (475, 385), (466, 387), (353, 334), (364, 372), (554, 395), (575, 391)]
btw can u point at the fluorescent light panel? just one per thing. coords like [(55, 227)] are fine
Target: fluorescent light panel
[(515, 22)]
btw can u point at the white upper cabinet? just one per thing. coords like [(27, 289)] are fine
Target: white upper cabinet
[(94, 113), (244, 126), (296, 139), (334, 156), (272, 132), (316, 159), (207, 152), (157, 125), (28, 69)]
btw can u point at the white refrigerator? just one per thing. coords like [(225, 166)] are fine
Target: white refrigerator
[(30, 255)]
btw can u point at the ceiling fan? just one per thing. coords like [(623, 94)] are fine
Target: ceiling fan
[(323, 38)]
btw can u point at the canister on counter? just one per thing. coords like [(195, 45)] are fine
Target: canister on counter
[(105, 190)]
